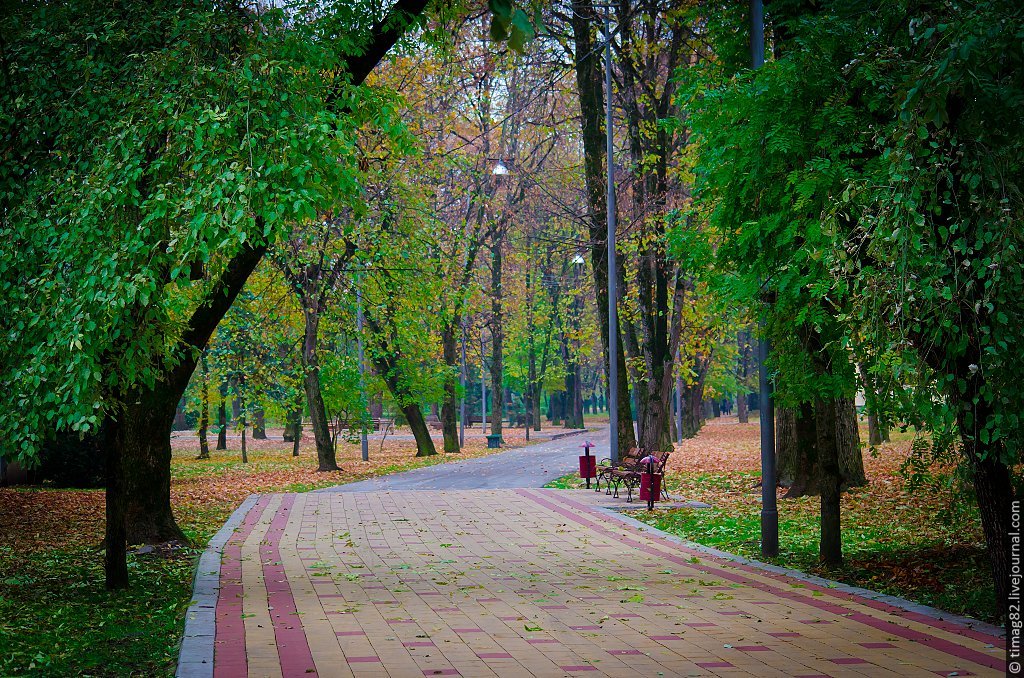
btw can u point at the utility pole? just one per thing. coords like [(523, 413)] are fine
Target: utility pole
[(613, 316), (364, 444), (483, 386), (679, 402), (462, 382), (769, 508)]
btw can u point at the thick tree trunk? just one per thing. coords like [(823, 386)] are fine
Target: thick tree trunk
[(993, 488), (420, 430), (851, 460), (830, 483), (572, 400), (590, 86), (449, 408), (692, 405), (325, 455), (143, 435), (386, 364), (259, 427), (802, 467), (785, 445), (204, 409), (115, 560), (716, 408)]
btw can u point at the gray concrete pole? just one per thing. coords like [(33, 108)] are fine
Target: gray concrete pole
[(613, 316), (769, 508), (364, 444), (679, 403), (483, 386), (462, 380)]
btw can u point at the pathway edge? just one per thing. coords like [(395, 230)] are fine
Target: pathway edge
[(895, 601), (195, 658)]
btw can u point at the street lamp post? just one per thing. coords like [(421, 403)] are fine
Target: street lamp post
[(364, 444), (613, 316), (769, 508), (462, 380)]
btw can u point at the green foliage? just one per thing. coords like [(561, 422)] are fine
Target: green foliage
[(140, 145), (867, 176)]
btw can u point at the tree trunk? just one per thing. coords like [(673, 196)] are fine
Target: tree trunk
[(449, 408), (245, 453), (325, 455), (851, 461), (385, 361), (785, 446), (802, 467), (716, 408), (497, 341), (259, 427), (572, 404), (292, 419), (830, 483), (222, 422), (115, 560), (878, 432), (589, 82), (179, 417), (295, 421), (420, 430), (744, 359), (204, 408), (143, 434), (692, 404)]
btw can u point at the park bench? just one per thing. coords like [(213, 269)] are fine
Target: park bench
[(627, 473), (376, 424)]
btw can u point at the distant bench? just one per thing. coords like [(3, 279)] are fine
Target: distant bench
[(376, 424)]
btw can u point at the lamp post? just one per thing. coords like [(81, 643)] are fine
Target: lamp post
[(363, 443), (613, 316), (462, 382), (769, 508), (483, 385)]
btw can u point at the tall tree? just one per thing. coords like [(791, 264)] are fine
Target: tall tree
[(590, 86), (151, 195)]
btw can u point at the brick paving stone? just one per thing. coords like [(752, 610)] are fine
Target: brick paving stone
[(537, 583)]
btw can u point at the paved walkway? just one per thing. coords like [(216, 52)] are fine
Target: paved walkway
[(533, 466), (529, 583)]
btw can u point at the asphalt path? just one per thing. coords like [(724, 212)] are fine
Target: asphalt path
[(532, 466)]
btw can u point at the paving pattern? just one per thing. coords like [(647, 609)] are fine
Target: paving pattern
[(526, 582)]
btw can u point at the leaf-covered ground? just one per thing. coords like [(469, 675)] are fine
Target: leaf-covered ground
[(926, 545), (56, 619)]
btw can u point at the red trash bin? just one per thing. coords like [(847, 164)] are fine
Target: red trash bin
[(646, 480), (588, 466)]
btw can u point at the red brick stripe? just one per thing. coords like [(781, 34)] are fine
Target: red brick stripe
[(229, 641), (292, 645)]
